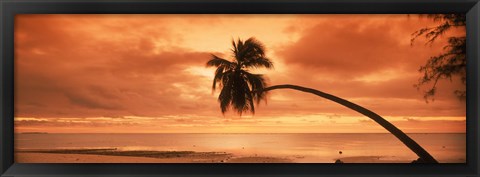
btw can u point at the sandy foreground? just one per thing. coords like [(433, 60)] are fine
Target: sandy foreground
[(371, 159), (114, 156), (83, 158), (28, 157)]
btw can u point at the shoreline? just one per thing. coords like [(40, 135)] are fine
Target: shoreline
[(372, 159), (116, 156), (140, 156)]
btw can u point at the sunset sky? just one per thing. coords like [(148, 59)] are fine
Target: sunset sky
[(147, 74)]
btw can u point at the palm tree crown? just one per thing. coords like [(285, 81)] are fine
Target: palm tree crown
[(240, 88)]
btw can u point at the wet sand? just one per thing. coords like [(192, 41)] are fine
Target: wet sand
[(82, 158), (118, 156), (114, 156), (371, 159), (260, 160)]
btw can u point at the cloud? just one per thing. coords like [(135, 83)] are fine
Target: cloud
[(368, 60), (153, 67), (91, 102), (104, 71), (357, 46)]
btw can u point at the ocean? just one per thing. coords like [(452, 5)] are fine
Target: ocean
[(302, 147)]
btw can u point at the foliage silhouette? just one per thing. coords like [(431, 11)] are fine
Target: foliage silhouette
[(451, 62), (240, 89)]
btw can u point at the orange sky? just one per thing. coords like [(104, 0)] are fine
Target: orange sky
[(146, 73)]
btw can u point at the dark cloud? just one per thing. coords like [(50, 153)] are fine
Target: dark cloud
[(369, 61), (352, 47), (91, 102), (67, 71)]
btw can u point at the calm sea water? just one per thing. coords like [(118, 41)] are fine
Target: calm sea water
[(319, 147)]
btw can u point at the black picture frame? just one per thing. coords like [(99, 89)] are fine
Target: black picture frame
[(9, 8)]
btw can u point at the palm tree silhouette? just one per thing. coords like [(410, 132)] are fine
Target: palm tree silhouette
[(240, 89)]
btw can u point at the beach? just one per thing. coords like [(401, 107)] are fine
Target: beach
[(234, 148), (99, 156), (114, 156)]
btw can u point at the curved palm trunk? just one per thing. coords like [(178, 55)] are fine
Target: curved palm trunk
[(425, 157)]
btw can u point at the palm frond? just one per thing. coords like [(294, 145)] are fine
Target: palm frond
[(234, 49), (254, 47), (225, 97), (249, 50), (259, 62), (217, 61), (249, 98), (238, 94), (239, 51), (257, 83), (218, 77)]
